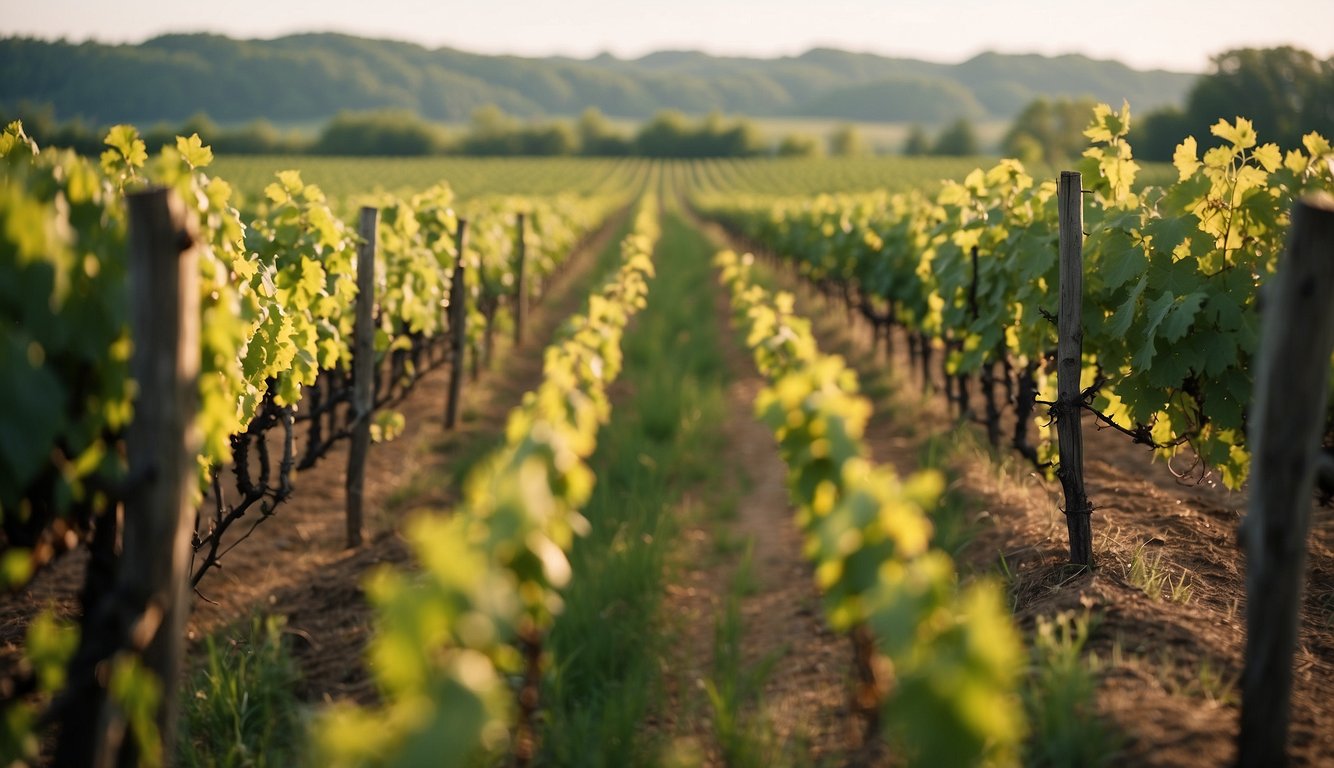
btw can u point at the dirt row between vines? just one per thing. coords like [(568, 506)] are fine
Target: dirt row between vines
[(1168, 672), (802, 714)]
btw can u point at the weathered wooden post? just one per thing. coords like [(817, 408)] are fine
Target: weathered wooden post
[(363, 374), (1069, 363), (458, 321), (520, 281), (148, 609), (1286, 419)]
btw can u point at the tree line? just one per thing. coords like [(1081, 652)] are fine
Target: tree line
[(1286, 92), (492, 132), (309, 78)]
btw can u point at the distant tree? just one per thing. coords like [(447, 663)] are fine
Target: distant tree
[(671, 134), (957, 140), (260, 136), (800, 145), (917, 142), (1049, 131), (201, 124), (491, 119), (738, 138), (379, 133), (846, 141), (663, 136), (491, 132), (79, 136), (38, 119), (39, 122), (597, 136), (1156, 135), (548, 139), (1284, 91)]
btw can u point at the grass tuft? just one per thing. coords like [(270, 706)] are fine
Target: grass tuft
[(1066, 728), (1150, 575), (744, 735), (241, 709)]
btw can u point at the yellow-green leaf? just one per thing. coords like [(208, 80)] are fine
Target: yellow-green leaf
[(125, 140), (1186, 158), (1242, 134), (193, 151), (1269, 157)]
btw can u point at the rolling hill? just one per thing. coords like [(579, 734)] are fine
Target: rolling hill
[(314, 76)]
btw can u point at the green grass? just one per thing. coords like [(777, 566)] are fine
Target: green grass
[(744, 735), (1154, 578), (240, 710), (1060, 699), (663, 440)]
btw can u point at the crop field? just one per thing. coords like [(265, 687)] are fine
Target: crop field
[(346, 177), (616, 462)]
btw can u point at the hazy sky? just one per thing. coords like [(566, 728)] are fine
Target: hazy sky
[(1175, 34)]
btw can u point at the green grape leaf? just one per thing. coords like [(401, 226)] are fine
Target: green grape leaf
[(1269, 157), (1241, 134), (1155, 312), (127, 149), (194, 152), (1182, 316), (35, 408), (1219, 350), (1122, 262), (1124, 315)]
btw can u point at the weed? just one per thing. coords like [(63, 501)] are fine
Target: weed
[(1066, 729), (1151, 576), (1216, 685), (745, 737), (240, 710)]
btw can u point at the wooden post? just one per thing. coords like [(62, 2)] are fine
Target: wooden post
[(458, 321), (363, 374), (1286, 420), (1069, 363), (520, 281), (161, 443)]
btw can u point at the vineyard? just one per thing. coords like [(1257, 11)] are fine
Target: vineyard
[(344, 462)]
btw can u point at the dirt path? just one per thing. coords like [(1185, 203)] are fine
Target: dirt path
[(751, 551), (806, 699)]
